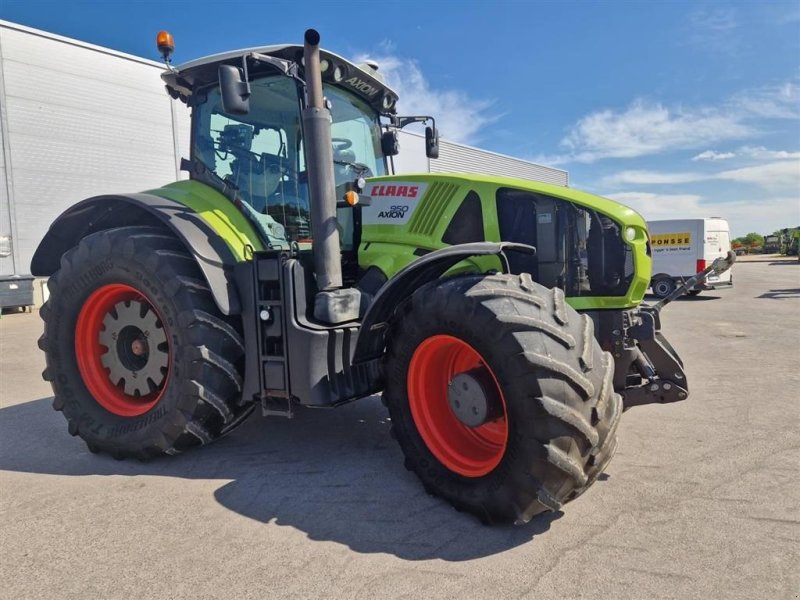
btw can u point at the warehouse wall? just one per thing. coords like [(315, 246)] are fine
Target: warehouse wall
[(6, 252), (79, 120), (459, 158)]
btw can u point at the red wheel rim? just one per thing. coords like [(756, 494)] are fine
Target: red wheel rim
[(90, 351), (471, 452)]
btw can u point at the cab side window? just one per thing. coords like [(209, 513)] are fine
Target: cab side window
[(516, 216)]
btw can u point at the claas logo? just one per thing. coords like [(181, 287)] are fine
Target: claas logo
[(662, 240), (396, 191)]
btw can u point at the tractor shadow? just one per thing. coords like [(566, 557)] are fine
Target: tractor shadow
[(781, 294), (334, 474), (702, 297)]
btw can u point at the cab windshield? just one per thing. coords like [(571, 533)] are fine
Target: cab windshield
[(261, 154)]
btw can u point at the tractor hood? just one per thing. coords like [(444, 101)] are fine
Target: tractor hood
[(378, 186), (411, 215)]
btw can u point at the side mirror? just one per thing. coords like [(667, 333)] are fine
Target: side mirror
[(234, 90), (431, 142), (390, 146)]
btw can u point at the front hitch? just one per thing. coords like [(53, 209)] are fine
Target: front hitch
[(649, 353), (663, 377)]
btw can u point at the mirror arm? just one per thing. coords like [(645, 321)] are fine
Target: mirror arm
[(246, 76), (284, 66), (288, 68), (401, 122)]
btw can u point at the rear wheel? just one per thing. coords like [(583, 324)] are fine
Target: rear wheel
[(139, 357), (500, 396)]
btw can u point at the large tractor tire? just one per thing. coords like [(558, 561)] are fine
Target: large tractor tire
[(500, 396), (141, 361)]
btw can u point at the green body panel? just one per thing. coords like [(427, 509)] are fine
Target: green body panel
[(216, 210), (392, 247)]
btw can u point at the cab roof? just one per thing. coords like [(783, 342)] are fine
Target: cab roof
[(361, 80)]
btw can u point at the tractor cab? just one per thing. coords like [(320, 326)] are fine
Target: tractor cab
[(256, 152)]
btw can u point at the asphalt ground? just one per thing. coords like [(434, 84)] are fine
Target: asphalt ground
[(701, 501)]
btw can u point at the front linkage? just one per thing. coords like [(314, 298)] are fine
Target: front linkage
[(648, 370)]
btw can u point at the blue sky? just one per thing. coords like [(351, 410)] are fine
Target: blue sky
[(679, 109)]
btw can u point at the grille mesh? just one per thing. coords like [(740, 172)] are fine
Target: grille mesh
[(434, 203)]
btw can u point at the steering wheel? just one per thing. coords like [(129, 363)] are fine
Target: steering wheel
[(341, 144)]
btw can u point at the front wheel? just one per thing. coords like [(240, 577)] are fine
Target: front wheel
[(500, 397), (140, 360)]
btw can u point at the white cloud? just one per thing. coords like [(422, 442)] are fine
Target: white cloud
[(459, 117), (760, 152), (714, 29), (712, 155), (778, 175), (634, 177), (780, 101), (756, 152), (647, 128), (659, 206), (759, 213), (775, 175)]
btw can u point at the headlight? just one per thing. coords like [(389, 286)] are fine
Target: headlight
[(630, 234)]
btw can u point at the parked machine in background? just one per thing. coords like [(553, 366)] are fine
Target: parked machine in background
[(790, 241), (772, 244), (683, 247)]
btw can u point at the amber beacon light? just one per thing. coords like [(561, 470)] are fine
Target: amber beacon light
[(166, 44)]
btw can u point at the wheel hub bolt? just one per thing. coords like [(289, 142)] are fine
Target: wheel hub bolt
[(139, 347)]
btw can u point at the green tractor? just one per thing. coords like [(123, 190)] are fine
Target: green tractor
[(501, 319), (790, 240)]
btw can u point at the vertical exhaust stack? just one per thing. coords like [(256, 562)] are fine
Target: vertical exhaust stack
[(319, 163), (332, 304)]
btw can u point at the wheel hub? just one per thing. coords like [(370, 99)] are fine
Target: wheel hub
[(464, 442), (472, 398), (133, 338)]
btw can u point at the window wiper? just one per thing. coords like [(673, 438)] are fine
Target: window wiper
[(206, 174), (360, 168)]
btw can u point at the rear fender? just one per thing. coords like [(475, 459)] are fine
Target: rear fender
[(214, 257)]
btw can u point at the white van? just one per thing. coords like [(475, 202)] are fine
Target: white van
[(683, 247)]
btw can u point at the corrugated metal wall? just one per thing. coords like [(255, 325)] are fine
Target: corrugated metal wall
[(457, 158), (81, 120)]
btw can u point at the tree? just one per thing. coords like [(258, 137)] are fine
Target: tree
[(753, 239)]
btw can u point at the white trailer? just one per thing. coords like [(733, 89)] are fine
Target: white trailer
[(684, 247)]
